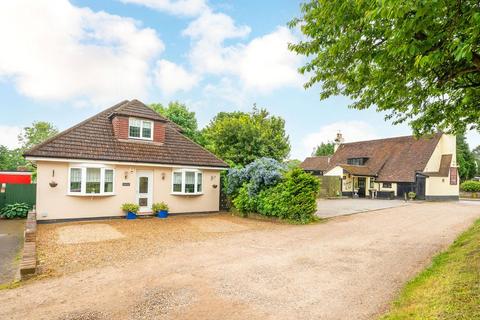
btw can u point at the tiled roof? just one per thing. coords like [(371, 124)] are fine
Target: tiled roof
[(93, 139), (315, 163), (444, 167), (358, 170), (391, 160)]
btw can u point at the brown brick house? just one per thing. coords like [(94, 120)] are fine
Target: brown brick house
[(126, 153), (396, 166)]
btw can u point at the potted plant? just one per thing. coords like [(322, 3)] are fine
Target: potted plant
[(131, 209), (161, 209), (411, 195)]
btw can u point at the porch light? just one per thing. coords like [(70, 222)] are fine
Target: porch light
[(163, 175), (126, 175)]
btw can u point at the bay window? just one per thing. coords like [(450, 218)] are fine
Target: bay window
[(187, 182), (140, 129), (89, 180)]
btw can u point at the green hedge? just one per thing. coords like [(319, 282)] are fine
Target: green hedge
[(293, 199), (470, 186)]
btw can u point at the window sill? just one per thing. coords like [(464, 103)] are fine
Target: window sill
[(186, 194), (141, 139), (90, 194)]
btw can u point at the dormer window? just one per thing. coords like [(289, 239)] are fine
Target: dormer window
[(140, 129), (357, 161)]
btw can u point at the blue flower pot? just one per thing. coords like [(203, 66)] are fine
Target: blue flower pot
[(131, 215), (162, 214)]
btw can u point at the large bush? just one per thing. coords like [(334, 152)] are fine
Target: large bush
[(470, 186), (259, 174), (293, 199), (244, 202)]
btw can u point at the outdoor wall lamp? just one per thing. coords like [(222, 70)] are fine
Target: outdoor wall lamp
[(126, 175), (163, 175)]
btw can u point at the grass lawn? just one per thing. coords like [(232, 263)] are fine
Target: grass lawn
[(449, 288)]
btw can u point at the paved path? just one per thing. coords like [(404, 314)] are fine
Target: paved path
[(347, 268), (11, 237), (340, 207)]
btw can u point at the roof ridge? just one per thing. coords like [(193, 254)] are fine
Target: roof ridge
[(394, 138), (64, 132)]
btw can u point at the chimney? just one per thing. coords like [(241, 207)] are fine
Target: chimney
[(338, 141)]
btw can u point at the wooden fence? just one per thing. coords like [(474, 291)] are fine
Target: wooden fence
[(330, 187), (19, 193)]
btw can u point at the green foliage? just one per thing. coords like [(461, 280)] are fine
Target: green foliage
[(324, 149), (179, 114), (130, 207), (292, 163), (465, 159), (412, 195), (476, 154), (36, 134), (15, 210), (162, 206), (417, 60), (240, 138), (448, 288), (294, 199), (11, 159), (470, 186), (244, 202)]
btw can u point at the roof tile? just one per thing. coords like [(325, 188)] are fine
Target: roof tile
[(93, 139)]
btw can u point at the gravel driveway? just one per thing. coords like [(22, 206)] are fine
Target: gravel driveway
[(347, 268), (340, 207)]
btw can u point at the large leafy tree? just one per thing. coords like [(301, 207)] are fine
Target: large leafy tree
[(178, 113), (240, 138), (417, 60), (38, 132), (11, 159), (324, 149), (465, 159)]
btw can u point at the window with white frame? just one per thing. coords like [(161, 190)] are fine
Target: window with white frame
[(86, 180), (187, 181), (140, 129)]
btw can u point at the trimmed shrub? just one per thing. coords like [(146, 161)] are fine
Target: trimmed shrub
[(293, 199), (470, 186), (15, 210), (259, 174), (244, 202)]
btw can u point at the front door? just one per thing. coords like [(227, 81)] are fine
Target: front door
[(362, 182), (145, 190), (420, 187)]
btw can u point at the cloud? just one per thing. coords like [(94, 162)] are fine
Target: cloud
[(208, 33), (263, 64), (351, 130), (175, 7), (170, 77), (267, 64), (62, 52), (8, 136)]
